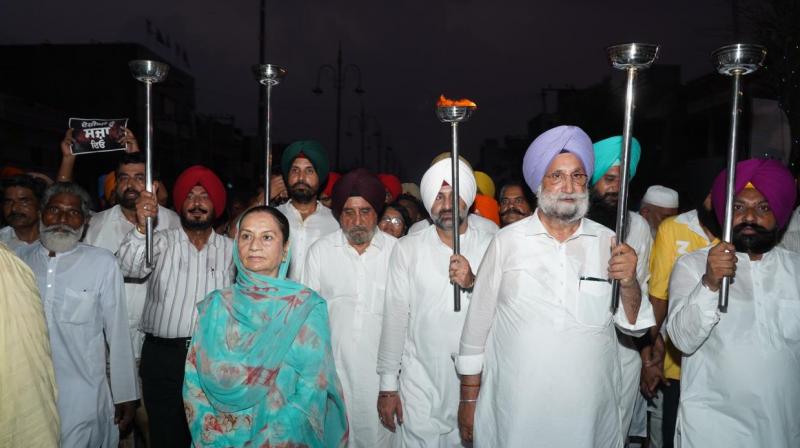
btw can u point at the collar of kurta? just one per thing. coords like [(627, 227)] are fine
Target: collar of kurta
[(46, 252), (213, 239), (535, 227), (294, 209), (433, 236), (377, 240)]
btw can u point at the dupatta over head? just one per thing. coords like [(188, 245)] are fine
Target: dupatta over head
[(260, 367)]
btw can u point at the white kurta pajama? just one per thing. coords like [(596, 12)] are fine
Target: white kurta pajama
[(545, 340), (740, 374), (354, 287), (420, 336), (84, 304), (107, 229)]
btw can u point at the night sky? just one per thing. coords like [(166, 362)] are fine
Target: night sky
[(500, 54)]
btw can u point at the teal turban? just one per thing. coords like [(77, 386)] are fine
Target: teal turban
[(311, 150), (607, 154)]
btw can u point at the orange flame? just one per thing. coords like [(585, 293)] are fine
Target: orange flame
[(444, 102)]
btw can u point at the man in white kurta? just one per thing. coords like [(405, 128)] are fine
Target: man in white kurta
[(305, 167), (539, 351), (348, 268), (740, 385), (84, 304), (108, 228), (420, 327)]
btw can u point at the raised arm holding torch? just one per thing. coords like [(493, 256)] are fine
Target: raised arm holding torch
[(455, 112), (148, 72), (734, 60)]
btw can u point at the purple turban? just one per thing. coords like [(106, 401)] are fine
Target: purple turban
[(548, 145), (769, 177), (358, 182)]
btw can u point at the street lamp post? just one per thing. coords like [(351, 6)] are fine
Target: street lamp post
[(365, 121), (339, 77)]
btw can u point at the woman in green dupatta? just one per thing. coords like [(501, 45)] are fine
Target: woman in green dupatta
[(260, 371)]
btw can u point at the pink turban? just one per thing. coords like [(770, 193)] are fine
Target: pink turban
[(199, 175), (548, 145), (769, 177)]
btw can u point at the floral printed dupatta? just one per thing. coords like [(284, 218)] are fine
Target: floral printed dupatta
[(260, 370)]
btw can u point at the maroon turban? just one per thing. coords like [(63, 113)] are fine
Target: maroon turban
[(392, 184), (769, 177), (358, 182), (199, 175)]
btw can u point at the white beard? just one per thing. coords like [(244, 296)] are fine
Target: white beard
[(552, 205), (59, 238)]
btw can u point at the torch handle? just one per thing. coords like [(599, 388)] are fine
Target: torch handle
[(622, 203), (456, 212), (148, 167), (267, 143), (730, 184)]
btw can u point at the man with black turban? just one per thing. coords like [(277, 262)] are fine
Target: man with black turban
[(349, 268)]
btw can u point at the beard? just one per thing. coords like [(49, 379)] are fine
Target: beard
[(359, 234), (709, 220), (59, 238), (128, 202), (302, 192), (760, 242), (196, 224), (603, 209), (552, 205), (444, 219)]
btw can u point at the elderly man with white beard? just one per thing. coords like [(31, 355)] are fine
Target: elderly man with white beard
[(348, 268), (539, 357), (420, 328), (84, 304)]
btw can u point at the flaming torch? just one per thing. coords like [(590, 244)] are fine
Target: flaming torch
[(455, 112)]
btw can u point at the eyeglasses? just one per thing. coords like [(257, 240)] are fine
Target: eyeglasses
[(393, 220), (558, 177)]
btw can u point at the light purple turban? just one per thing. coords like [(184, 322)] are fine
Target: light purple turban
[(548, 145)]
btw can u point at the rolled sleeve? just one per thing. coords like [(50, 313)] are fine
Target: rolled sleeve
[(389, 382), (469, 364)]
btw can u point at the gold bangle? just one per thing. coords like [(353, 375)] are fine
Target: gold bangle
[(471, 385)]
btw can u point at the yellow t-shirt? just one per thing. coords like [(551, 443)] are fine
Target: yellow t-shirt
[(676, 236)]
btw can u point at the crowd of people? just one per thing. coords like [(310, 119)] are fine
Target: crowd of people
[(326, 318)]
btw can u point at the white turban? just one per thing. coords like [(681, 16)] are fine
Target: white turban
[(440, 172), (661, 196)]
